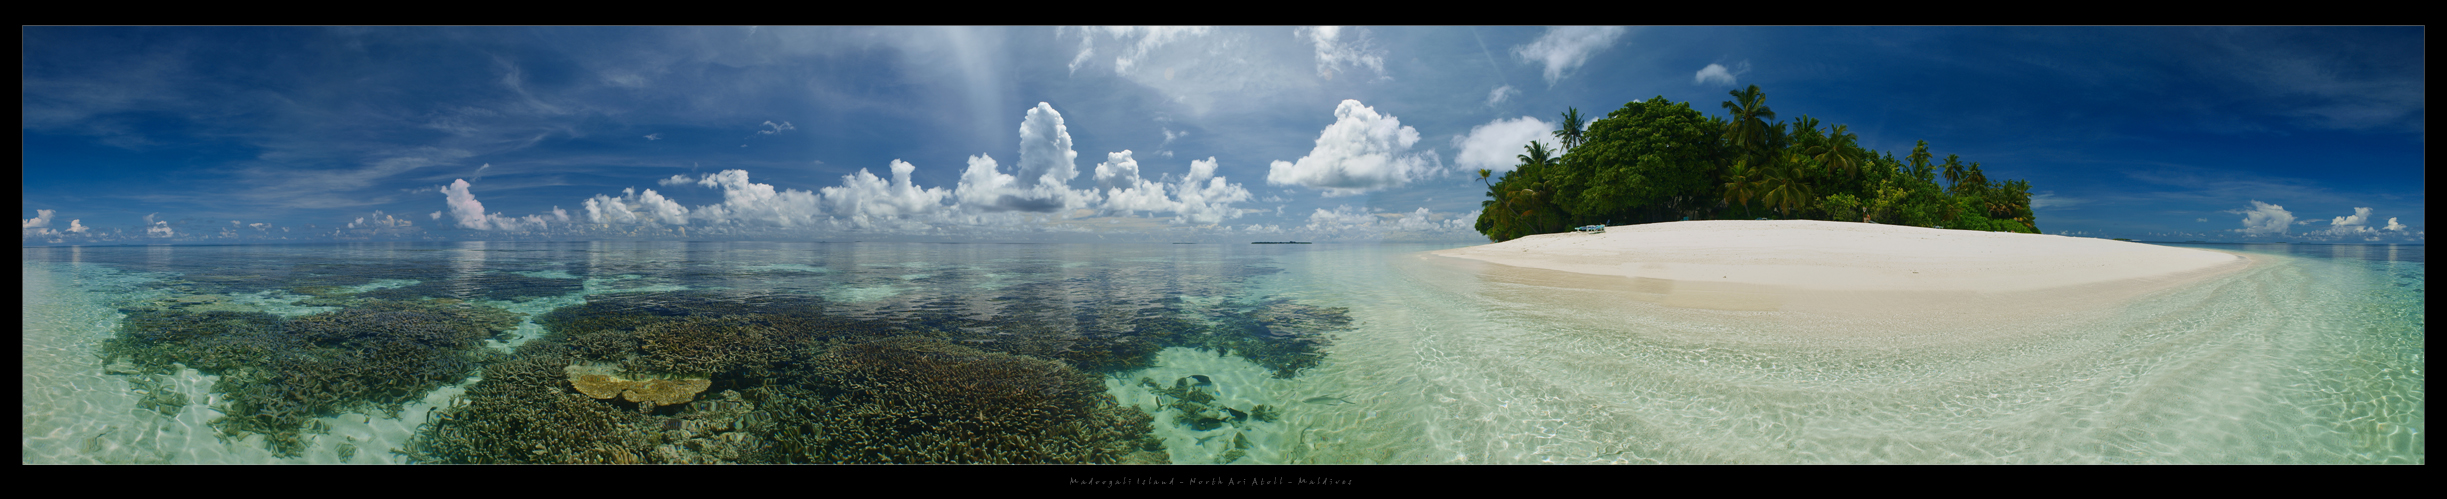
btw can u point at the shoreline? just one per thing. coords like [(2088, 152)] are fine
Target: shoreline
[(1931, 278)]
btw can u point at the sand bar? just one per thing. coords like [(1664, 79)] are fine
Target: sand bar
[(1776, 265)]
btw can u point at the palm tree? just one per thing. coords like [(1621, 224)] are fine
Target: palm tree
[(1748, 131), (1954, 172), (1920, 160), (1538, 155), (1786, 188), (1840, 151), (1742, 183), (1572, 128)]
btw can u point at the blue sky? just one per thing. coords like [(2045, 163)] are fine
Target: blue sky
[(202, 135)]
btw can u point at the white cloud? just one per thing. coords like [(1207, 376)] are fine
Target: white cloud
[(437, 215), (1148, 38), (1047, 163), (1334, 54), (750, 203), (470, 213), (464, 207), (676, 180), (2360, 217), (2265, 219), (1347, 222), (42, 218), (76, 226), (771, 128), (1360, 152), (1498, 95), (1206, 198), (633, 208), (1498, 144), (160, 229), (654, 136), (1719, 74), (867, 200), (2392, 225), (1563, 49)]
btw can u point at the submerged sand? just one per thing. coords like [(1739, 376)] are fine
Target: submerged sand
[(1851, 268)]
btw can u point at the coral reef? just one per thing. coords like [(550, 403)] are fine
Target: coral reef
[(594, 382), (515, 416), (278, 373), (909, 400)]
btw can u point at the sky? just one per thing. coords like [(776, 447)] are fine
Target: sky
[(147, 135)]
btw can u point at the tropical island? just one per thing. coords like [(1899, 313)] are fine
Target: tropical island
[(1741, 214), (1658, 160)]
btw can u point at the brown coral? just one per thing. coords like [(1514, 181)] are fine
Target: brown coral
[(603, 382), (666, 391)]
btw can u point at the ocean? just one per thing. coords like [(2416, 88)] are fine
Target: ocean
[(750, 352)]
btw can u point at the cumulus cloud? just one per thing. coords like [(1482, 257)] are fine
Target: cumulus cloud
[(2360, 217), (1205, 198), (464, 207), (1336, 52), (1040, 184), (77, 226), (470, 213), (1498, 144), (1498, 95), (1360, 152), (676, 180), (160, 229), (633, 208), (750, 203), (1719, 74), (1563, 49), (866, 200), (42, 218), (2392, 225), (1197, 198), (2265, 219)]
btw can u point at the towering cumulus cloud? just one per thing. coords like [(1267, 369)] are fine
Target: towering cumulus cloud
[(1362, 151), (470, 213), (865, 200), (1047, 164)]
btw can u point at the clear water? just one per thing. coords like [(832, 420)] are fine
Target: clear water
[(2316, 356)]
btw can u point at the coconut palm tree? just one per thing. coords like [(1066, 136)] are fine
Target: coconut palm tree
[(1573, 128), (1748, 130), (1840, 151), (1953, 169), (1742, 183), (1787, 188)]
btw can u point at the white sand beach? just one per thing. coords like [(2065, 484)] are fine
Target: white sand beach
[(1848, 268)]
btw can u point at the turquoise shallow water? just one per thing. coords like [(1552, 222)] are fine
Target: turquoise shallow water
[(1357, 353)]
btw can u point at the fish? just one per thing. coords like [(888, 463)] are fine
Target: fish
[(1237, 416), (1326, 400), (1202, 380)]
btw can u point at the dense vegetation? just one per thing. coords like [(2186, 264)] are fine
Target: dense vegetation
[(1657, 160)]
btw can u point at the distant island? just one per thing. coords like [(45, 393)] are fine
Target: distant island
[(1658, 160), (1279, 242)]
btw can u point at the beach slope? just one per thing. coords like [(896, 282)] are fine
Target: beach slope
[(1853, 267)]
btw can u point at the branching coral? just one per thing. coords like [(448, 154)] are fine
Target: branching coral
[(279, 374), (919, 401)]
